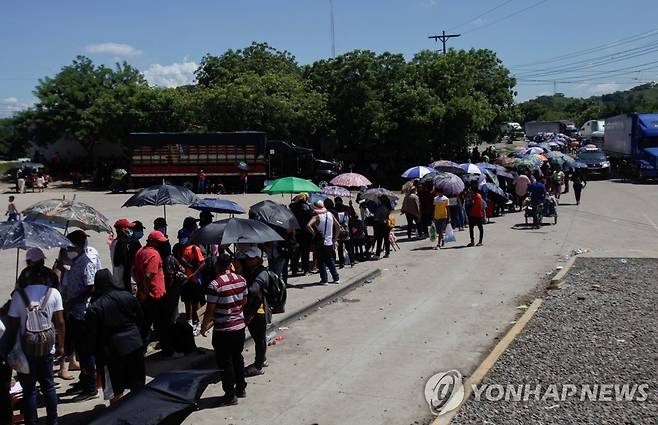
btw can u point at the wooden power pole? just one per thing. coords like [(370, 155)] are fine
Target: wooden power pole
[(443, 37)]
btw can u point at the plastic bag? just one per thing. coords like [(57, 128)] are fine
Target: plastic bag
[(16, 359), (432, 233), (449, 235)]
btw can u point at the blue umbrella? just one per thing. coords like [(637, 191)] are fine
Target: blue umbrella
[(416, 172), (221, 206), (25, 235)]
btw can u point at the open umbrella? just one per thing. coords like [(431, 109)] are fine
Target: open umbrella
[(25, 235), (491, 176), (235, 230), (375, 194), (470, 168), (168, 399), (274, 214), (162, 195), (496, 191), (336, 191), (416, 172), (429, 178), (350, 180), (447, 166), (534, 150), (449, 183), (506, 174), (67, 213), (220, 206), (291, 185)]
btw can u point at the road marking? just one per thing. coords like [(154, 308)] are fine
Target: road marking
[(490, 360)]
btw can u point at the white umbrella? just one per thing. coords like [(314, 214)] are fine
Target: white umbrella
[(470, 168)]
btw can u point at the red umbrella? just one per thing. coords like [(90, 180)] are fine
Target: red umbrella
[(350, 180)]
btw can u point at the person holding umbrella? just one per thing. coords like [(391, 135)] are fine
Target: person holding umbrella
[(303, 213), (579, 182), (257, 311), (381, 226), (122, 255), (411, 210), (441, 216)]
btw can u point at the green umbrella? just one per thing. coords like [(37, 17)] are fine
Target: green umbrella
[(291, 185)]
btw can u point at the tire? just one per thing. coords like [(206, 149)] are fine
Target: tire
[(555, 220)]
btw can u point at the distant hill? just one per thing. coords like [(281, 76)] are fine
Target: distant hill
[(643, 98)]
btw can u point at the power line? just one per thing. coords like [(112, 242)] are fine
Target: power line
[(481, 15), (585, 64), (622, 41), (599, 75), (511, 15)]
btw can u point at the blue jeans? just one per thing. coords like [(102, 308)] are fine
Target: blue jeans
[(41, 370), (326, 261)]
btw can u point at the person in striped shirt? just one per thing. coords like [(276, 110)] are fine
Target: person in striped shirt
[(226, 295)]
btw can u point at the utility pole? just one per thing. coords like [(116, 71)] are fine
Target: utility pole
[(443, 37), (333, 31)]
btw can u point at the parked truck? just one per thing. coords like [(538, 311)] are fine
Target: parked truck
[(631, 142), (532, 128), (223, 157), (593, 131)]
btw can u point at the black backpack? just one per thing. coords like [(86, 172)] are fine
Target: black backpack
[(275, 292)]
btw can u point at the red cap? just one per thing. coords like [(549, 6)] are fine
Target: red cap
[(157, 236), (123, 223)]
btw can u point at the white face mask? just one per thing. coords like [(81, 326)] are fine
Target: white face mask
[(72, 255)]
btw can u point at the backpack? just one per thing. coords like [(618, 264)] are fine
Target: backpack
[(38, 337), (275, 292)]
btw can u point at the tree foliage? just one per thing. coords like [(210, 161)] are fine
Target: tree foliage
[(643, 98)]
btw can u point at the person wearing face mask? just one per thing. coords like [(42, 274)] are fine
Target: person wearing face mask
[(77, 288), (148, 272), (121, 255), (36, 270)]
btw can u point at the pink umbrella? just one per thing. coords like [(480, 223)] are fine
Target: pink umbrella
[(350, 180)]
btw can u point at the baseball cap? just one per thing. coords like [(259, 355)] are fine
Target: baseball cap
[(35, 254), (123, 223), (251, 252), (77, 237), (157, 236), (159, 222)]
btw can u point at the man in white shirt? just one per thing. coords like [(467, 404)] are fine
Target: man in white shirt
[(325, 229), (41, 368)]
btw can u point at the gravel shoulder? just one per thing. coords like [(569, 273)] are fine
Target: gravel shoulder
[(599, 329)]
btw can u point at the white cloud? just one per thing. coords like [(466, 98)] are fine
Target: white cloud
[(117, 49), (173, 75), (11, 105)]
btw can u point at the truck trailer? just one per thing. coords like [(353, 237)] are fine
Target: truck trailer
[(532, 128), (631, 142)]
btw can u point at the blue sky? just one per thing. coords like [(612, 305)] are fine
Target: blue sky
[(166, 39)]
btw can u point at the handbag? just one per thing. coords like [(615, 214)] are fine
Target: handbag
[(449, 235)]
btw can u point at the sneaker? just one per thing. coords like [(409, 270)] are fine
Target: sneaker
[(323, 283), (471, 244), (84, 396), (241, 394), (336, 282), (227, 401), (386, 255), (479, 244), (252, 370)]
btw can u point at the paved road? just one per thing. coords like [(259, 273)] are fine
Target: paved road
[(365, 359)]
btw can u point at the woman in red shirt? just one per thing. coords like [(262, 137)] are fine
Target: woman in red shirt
[(475, 209)]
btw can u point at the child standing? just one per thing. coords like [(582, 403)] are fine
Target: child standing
[(12, 211)]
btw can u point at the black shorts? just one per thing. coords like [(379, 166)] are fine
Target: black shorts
[(192, 292)]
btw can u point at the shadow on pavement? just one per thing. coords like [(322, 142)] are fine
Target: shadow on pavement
[(81, 418)]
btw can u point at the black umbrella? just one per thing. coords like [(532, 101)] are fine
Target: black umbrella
[(375, 194), (168, 399), (278, 215), (234, 230), (495, 191), (25, 235), (221, 206), (163, 194)]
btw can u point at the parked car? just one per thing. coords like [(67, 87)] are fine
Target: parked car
[(596, 160)]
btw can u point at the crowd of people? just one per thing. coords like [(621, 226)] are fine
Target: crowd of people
[(100, 319)]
